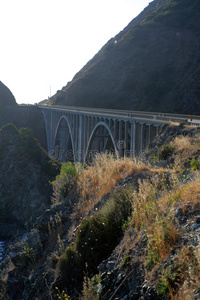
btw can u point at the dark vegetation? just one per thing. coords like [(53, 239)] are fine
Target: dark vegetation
[(97, 236)]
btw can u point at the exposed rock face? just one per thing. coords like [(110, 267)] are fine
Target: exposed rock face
[(6, 97), (25, 173)]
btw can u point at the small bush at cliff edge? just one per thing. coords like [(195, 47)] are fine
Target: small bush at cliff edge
[(65, 181), (166, 151)]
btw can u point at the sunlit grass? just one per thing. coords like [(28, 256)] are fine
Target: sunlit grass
[(101, 177)]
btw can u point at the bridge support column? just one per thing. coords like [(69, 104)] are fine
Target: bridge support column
[(79, 152), (141, 137), (133, 134), (149, 134), (125, 137), (115, 129), (120, 142), (157, 128)]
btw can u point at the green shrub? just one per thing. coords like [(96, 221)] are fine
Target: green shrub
[(65, 181), (92, 241), (195, 164), (169, 279), (165, 151), (9, 129), (117, 210), (99, 234), (70, 266)]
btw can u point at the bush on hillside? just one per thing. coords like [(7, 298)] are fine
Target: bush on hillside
[(165, 151), (99, 234), (65, 181)]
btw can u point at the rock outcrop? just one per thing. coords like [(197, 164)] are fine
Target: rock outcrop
[(26, 171), (6, 97)]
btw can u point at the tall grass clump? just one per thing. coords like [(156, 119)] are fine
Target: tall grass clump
[(100, 178), (182, 142), (184, 271), (186, 152), (151, 214)]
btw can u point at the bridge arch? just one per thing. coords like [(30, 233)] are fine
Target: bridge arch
[(105, 139), (63, 141)]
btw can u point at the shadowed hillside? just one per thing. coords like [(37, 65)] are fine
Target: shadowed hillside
[(152, 65), (26, 171), (6, 97), (21, 115)]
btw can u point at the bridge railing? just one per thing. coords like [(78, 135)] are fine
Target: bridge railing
[(128, 114)]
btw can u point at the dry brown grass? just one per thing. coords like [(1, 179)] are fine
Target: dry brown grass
[(102, 176), (99, 179), (190, 193), (183, 142), (152, 214), (185, 148), (154, 207), (187, 267), (174, 123)]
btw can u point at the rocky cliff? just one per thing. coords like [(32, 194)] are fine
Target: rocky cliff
[(152, 65), (6, 97), (25, 172)]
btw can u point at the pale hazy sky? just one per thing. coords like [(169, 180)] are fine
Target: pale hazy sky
[(46, 42)]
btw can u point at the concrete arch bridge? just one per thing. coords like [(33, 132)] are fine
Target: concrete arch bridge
[(77, 133)]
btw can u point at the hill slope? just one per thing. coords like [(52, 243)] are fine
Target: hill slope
[(26, 171), (6, 97), (133, 224), (152, 65)]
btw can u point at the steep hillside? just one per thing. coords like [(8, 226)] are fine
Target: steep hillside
[(153, 64), (6, 97), (118, 229), (21, 115), (29, 116)]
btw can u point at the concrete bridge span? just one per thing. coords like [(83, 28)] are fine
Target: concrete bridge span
[(76, 134)]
